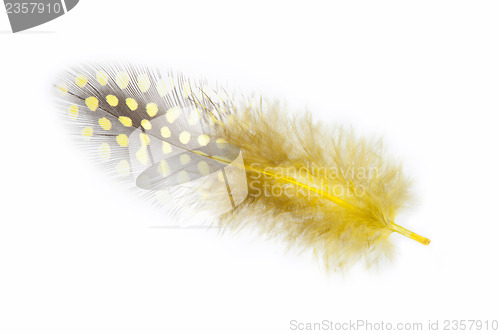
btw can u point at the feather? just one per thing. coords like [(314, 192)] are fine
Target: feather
[(244, 160)]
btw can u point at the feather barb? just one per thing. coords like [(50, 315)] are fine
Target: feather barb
[(393, 226)]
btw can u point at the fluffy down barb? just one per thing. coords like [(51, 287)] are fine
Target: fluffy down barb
[(316, 186)]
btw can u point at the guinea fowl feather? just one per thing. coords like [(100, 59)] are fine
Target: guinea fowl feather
[(248, 162)]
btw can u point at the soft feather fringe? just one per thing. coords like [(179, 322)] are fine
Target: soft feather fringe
[(333, 159)]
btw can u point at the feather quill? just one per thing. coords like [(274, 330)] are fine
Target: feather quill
[(243, 159)]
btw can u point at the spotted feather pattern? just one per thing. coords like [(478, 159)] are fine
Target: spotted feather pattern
[(152, 129)]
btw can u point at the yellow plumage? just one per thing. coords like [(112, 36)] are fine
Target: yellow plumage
[(315, 186)]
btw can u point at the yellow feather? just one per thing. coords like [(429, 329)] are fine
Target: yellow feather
[(317, 187)]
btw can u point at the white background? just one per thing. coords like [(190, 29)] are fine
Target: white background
[(78, 255)]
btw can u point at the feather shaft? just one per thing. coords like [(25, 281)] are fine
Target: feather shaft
[(393, 226), (407, 233)]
